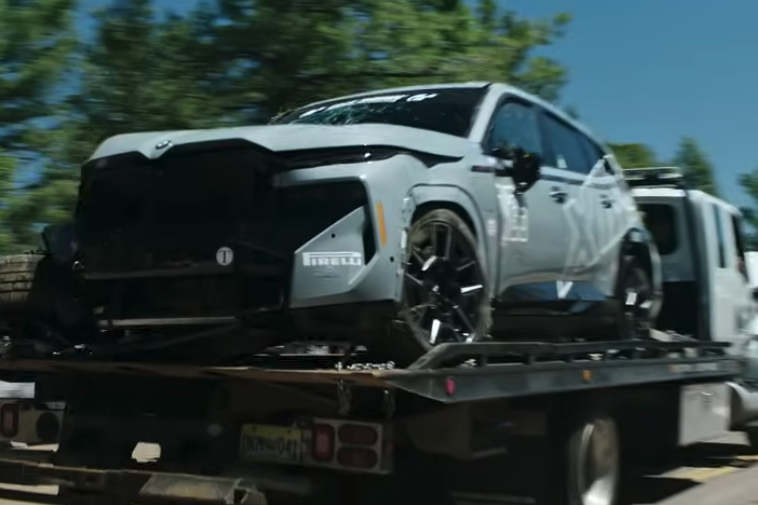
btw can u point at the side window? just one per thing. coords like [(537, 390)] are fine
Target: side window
[(565, 147), (515, 124), (592, 150), (739, 245), (719, 237), (660, 220)]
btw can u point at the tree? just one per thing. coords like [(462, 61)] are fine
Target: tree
[(634, 155), (695, 165), (749, 183), (284, 54), (141, 72), (34, 54)]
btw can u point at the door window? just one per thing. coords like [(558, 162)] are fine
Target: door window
[(719, 237), (739, 245), (592, 150), (565, 146), (514, 124), (660, 221)]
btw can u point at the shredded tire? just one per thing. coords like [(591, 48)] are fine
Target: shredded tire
[(17, 275)]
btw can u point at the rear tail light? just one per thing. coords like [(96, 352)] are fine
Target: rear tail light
[(356, 434), (322, 443), (357, 457), (9, 420)]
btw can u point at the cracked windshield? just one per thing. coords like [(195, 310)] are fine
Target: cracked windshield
[(340, 252)]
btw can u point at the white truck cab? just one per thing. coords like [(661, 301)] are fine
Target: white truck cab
[(707, 291)]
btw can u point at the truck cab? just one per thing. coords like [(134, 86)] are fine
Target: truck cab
[(707, 289)]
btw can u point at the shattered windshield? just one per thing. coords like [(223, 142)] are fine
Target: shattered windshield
[(444, 110)]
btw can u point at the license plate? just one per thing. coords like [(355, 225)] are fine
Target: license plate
[(281, 444)]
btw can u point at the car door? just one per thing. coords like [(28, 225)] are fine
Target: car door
[(531, 230), (566, 172)]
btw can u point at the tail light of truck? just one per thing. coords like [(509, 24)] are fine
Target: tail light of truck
[(351, 445), (9, 420), (322, 445), (357, 434), (357, 457)]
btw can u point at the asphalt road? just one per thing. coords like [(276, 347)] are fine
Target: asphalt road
[(718, 473)]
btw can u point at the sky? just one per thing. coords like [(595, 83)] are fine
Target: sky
[(652, 71)]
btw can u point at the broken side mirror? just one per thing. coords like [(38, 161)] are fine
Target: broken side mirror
[(60, 241), (522, 166)]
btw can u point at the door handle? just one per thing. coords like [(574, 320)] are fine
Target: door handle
[(558, 195)]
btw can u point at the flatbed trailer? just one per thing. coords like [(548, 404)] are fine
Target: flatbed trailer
[(467, 423)]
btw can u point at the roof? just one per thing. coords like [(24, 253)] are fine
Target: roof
[(472, 84), (694, 194)]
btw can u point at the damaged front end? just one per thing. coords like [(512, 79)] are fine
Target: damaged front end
[(203, 237)]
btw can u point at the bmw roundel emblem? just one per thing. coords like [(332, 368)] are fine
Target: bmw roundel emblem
[(163, 145)]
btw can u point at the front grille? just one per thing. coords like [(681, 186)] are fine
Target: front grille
[(201, 296)]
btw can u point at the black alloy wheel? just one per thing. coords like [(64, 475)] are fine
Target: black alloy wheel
[(445, 288), (636, 299)]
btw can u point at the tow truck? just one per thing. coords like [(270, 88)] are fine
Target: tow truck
[(477, 423)]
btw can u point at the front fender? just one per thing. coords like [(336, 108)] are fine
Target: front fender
[(458, 199)]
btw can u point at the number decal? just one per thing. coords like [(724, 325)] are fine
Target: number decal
[(515, 223)]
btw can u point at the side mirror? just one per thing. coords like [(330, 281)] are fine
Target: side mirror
[(755, 294), (524, 169), (60, 240)]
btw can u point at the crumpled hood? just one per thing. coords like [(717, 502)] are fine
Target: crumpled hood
[(292, 137)]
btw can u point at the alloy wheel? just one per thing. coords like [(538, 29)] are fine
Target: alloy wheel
[(444, 284)]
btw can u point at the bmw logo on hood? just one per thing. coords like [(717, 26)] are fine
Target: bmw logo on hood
[(163, 145)]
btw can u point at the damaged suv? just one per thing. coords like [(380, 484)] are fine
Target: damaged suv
[(396, 219)]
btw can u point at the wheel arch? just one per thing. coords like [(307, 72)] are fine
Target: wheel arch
[(455, 199)]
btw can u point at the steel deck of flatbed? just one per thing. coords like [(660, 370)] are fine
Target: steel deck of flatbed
[(478, 371)]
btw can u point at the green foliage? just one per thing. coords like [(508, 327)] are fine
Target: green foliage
[(749, 184), (34, 48), (634, 155), (697, 168)]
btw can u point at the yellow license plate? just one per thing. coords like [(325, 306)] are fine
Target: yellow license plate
[(280, 444)]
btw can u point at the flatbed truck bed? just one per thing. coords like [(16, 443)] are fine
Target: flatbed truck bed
[(272, 432)]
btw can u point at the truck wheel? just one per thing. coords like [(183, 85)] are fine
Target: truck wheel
[(445, 290), (752, 439), (591, 461), (17, 273), (635, 296)]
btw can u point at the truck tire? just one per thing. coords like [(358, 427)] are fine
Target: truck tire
[(17, 275), (588, 469), (752, 440)]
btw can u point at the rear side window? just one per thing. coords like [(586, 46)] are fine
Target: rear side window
[(565, 149), (594, 153), (739, 245), (660, 220), (719, 237)]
